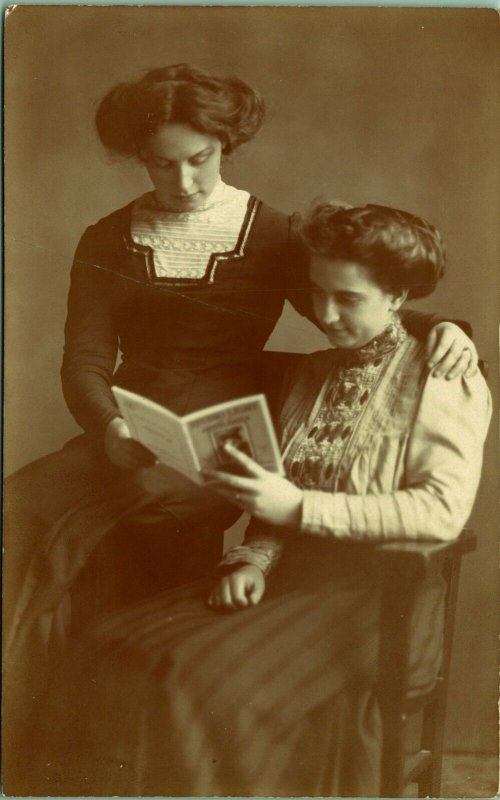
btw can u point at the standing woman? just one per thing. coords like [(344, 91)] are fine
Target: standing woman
[(185, 284)]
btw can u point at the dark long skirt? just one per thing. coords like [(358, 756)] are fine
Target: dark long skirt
[(81, 537), (171, 698)]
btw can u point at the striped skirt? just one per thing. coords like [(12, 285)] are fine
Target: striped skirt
[(168, 697)]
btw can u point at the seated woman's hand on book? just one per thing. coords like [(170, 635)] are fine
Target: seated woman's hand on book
[(450, 352), (263, 494), (122, 450), (242, 588)]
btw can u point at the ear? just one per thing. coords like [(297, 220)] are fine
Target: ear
[(398, 300)]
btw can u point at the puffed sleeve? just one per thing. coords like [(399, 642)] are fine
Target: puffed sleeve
[(443, 468), (91, 340)]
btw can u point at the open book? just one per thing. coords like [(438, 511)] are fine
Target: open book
[(196, 441)]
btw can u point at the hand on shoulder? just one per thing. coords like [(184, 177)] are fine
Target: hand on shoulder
[(450, 352)]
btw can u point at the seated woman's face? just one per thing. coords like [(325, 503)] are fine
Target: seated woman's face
[(183, 164), (349, 306)]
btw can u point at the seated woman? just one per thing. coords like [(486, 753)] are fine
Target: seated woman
[(168, 698)]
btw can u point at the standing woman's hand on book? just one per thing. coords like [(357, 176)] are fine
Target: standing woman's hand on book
[(122, 450), (261, 493)]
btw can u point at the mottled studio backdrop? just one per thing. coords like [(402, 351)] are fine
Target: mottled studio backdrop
[(394, 106)]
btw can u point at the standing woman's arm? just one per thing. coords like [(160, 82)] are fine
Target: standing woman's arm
[(91, 340)]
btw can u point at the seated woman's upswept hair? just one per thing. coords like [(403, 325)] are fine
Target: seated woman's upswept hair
[(225, 107), (401, 250)]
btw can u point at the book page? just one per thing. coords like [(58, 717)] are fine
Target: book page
[(245, 423), (156, 428)]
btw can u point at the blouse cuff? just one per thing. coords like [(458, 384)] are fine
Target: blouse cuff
[(263, 555)]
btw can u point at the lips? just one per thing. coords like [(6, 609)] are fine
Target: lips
[(180, 200)]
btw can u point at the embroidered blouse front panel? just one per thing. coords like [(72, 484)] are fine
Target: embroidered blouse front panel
[(183, 243), (314, 455)]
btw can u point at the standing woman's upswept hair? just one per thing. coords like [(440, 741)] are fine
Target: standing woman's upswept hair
[(225, 107)]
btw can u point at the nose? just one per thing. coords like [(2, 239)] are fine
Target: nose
[(184, 178), (330, 312)]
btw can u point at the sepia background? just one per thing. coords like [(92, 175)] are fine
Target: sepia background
[(394, 106)]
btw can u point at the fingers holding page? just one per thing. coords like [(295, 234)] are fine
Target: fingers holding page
[(250, 466)]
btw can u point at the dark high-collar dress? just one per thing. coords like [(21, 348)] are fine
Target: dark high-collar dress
[(83, 534)]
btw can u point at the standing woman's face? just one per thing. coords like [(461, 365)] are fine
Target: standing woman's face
[(183, 164)]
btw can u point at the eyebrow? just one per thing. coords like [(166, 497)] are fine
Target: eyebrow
[(337, 291), (206, 150)]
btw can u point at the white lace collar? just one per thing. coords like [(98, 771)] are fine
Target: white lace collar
[(183, 242)]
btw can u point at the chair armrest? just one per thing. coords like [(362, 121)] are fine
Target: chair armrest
[(421, 558)]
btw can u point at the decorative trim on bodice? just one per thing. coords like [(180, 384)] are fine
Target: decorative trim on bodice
[(314, 455), (186, 248)]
